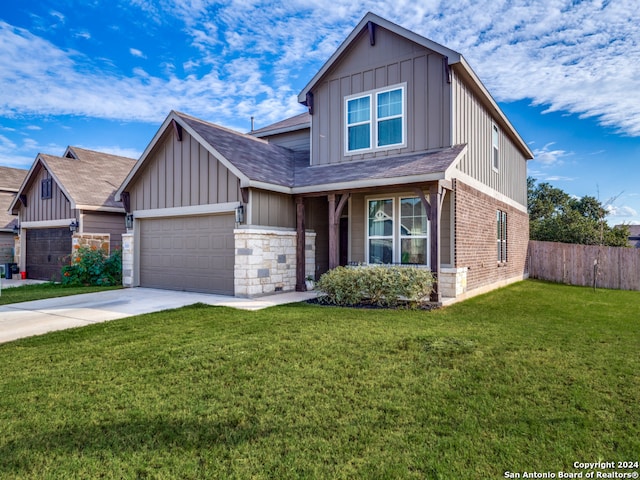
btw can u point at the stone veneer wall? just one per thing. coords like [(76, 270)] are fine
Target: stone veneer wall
[(127, 259), (91, 240), (266, 260), (453, 282)]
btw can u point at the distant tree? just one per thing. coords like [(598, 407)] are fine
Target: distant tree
[(555, 216)]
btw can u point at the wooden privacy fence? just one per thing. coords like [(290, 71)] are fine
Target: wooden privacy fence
[(585, 265)]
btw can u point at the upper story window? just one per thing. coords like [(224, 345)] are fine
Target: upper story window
[(375, 120), (495, 147), (45, 188)]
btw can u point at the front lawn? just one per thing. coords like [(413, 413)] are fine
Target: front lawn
[(39, 291), (533, 377)]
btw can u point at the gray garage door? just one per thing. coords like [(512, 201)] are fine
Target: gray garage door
[(48, 250), (188, 253)]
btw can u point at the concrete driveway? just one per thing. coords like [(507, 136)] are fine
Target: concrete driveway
[(19, 320)]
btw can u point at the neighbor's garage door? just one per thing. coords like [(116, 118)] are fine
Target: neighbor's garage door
[(188, 253), (48, 250)]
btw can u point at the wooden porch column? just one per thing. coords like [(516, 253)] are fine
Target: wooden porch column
[(334, 218), (333, 232), (300, 246), (434, 237)]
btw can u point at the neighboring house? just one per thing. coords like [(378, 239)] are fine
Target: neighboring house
[(66, 201), (634, 235), (403, 158), (10, 181)]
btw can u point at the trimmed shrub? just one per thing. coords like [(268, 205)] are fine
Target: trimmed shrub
[(92, 266), (384, 286)]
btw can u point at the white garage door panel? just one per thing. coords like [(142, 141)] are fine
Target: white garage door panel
[(193, 254)]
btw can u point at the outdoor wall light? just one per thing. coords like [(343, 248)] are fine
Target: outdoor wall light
[(128, 221), (73, 226), (16, 230), (240, 214)]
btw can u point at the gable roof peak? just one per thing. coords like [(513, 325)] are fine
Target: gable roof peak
[(371, 18)]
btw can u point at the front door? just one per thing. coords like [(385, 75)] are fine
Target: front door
[(344, 241)]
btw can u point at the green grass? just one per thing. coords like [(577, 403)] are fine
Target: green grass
[(40, 291), (533, 377)]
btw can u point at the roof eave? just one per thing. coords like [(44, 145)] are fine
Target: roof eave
[(370, 183), (279, 131)]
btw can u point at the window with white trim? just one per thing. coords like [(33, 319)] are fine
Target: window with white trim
[(397, 231), (495, 147), (375, 120), (501, 220)]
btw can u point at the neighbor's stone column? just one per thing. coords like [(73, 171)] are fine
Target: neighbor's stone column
[(16, 250), (127, 259)]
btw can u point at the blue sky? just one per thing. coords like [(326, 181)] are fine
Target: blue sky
[(104, 75)]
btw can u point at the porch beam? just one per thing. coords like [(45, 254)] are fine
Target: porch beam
[(300, 246), (335, 211), (425, 202)]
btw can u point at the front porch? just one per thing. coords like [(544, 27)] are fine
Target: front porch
[(404, 224)]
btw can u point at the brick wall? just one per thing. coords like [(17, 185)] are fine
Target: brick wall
[(475, 231)]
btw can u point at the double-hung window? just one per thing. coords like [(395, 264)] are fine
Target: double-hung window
[(375, 120), (501, 220), (495, 147), (397, 231)]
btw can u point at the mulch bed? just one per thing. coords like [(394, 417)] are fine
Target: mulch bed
[(373, 306)]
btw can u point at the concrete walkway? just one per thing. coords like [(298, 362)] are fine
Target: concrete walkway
[(19, 320)]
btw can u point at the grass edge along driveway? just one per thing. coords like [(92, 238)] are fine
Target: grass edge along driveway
[(529, 378)]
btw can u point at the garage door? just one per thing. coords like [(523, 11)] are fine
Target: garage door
[(188, 253), (48, 250)]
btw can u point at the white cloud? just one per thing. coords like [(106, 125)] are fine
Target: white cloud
[(622, 211), (137, 53), (582, 57), (57, 15), (548, 156)]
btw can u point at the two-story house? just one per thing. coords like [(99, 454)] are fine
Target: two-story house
[(403, 157)]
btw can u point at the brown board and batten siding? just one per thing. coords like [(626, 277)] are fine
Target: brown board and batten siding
[(180, 174), (105, 222), (393, 60), (298, 141), (472, 125), (271, 209), (38, 209)]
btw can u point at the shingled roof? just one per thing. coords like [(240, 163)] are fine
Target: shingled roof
[(11, 178), (261, 164), (89, 179), (10, 181), (256, 159), (7, 221), (382, 171)]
